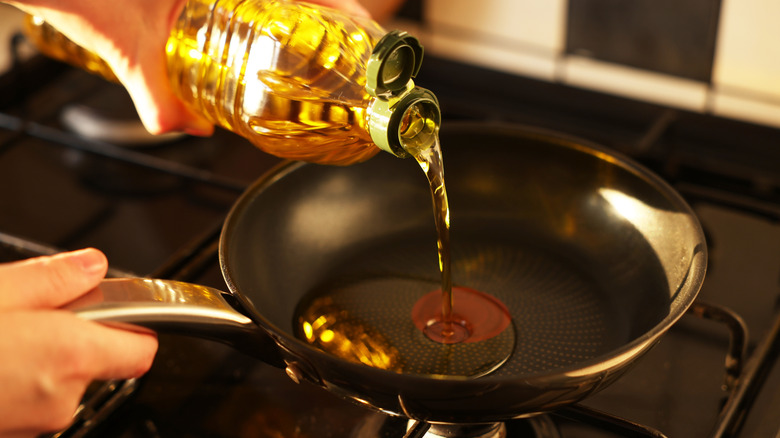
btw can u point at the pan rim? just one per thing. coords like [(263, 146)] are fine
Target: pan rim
[(680, 300)]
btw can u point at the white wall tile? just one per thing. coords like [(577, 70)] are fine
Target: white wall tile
[(535, 23), (635, 83), (523, 37), (747, 55), (742, 108), (538, 23), (746, 71), (536, 64)]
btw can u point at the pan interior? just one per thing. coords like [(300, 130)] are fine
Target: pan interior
[(561, 313), (586, 252)]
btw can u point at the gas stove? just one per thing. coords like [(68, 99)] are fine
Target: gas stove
[(155, 206)]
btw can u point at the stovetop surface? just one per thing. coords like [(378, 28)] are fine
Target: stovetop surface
[(156, 210)]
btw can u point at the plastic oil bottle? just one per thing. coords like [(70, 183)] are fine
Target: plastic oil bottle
[(298, 81)]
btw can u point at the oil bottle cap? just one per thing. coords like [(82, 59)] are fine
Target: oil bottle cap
[(403, 118), (395, 60), (407, 124)]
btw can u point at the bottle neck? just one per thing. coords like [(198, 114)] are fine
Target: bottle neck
[(407, 124)]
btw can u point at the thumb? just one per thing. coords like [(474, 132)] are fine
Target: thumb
[(352, 7), (50, 281), (157, 106)]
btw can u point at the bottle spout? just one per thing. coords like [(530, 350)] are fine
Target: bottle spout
[(403, 119), (408, 125)]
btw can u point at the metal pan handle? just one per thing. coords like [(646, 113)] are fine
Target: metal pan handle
[(175, 307)]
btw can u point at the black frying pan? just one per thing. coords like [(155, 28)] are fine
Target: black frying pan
[(595, 256)]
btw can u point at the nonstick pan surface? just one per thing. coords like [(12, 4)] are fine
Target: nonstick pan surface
[(594, 256)]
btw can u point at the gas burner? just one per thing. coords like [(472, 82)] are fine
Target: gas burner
[(108, 115), (92, 123), (540, 426)]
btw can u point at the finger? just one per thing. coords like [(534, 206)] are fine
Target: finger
[(49, 358), (144, 73), (50, 281), (115, 353), (159, 109), (90, 350), (351, 7)]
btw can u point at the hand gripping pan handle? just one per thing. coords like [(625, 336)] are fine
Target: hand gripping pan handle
[(175, 307)]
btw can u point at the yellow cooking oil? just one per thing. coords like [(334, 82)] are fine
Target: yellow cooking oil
[(56, 45), (288, 76)]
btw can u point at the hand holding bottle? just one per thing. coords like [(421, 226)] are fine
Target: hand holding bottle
[(131, 37)]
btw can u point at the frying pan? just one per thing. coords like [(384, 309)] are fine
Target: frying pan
[(595, 256)]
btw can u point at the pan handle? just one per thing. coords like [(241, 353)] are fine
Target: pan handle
[(175, 307)]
